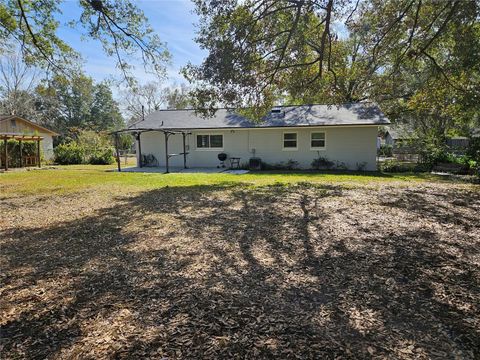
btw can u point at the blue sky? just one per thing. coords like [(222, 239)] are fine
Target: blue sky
[(173, 20)]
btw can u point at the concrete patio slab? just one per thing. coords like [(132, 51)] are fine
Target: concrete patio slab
[(193, 170)]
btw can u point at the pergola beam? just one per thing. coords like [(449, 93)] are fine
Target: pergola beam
[(20, 138), (167, 132), (140, 162), (5, 153), (117, 153), (167, 156), (38, 154), (184, 136), (20, 144)]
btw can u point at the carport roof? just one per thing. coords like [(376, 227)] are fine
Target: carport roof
[(285, 116)]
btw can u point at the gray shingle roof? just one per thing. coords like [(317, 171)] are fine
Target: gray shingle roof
[(303, 115), (400, 131)]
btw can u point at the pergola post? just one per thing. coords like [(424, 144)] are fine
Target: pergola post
[(184, 150), (117, 153), (5, 153), (20, 145), (166, 152), (139, 150), (38, 153)]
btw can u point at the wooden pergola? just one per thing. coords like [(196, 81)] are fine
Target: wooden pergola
[(167, 133), (20, 138)]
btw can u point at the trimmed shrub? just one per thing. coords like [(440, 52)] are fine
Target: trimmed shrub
[(322, 163), (287, 165), (362, 166), (69, 154), (340, 165), (104, 157)]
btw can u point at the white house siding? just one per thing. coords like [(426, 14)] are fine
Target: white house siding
[(351, 145)]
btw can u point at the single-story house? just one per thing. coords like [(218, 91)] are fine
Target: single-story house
[(341, 133), (18, 128)]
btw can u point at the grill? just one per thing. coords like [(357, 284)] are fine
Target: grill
[(222, 157)]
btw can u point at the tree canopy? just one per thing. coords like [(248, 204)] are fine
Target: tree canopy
[(120, 26), (335, 51), (78, 103)]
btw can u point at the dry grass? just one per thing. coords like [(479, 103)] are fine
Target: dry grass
[(232, 271)]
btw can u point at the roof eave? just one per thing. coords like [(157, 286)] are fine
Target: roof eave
[(53, 133), (257, 127)]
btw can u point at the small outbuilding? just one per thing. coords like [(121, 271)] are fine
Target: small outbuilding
[(21, 130)]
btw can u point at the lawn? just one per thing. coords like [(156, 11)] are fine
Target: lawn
[(99, 264)]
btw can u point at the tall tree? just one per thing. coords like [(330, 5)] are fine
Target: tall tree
[(178, 97), (17, 84), (104, 113), (120, 26), (142, 100), (258, 51), (78, 103)]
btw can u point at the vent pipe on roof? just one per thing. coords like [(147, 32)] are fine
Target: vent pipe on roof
[(277, 112)]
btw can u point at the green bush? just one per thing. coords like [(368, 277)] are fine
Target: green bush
[(104, 157), (395, 166), (29, 148), (287, 165), (322, 163), (69, 154), (340, 165), (385, 150), (362, 166)]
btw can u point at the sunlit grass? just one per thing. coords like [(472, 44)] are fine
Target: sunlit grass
[(66, 179)]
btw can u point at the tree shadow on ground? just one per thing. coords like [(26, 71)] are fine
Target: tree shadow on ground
[(234, 271)]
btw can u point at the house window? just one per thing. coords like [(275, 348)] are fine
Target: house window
[(290, 141), (209, 141), (13, 123), (317, 140)]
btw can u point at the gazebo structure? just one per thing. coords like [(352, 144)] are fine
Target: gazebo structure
[(21, 130), (167, 132), (24, 161)]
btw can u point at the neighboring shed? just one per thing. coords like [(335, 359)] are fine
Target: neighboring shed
[(13, 127), (397, 135), (458, 142)]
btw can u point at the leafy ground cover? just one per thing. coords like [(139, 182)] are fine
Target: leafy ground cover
[(98, 264)]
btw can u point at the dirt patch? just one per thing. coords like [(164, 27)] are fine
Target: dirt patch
[(236, 272)]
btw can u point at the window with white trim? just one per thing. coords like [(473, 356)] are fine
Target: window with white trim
[(210, 141), (290, 140), (317, 140)]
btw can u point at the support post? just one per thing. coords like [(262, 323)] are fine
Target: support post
[(184, 151), (5, 153), (38, 153), (20, 145), (166, 153), (117, 153), (139, 150)]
